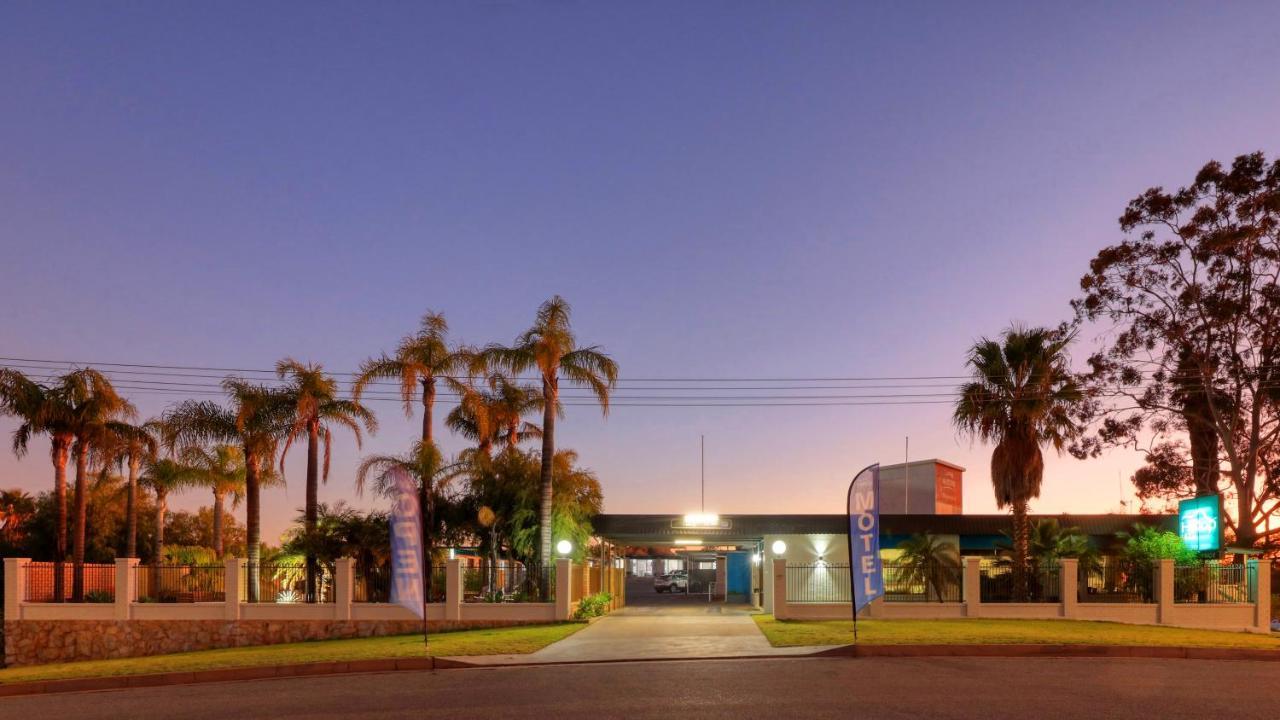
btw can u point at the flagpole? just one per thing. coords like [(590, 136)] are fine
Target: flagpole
[(853, 599)]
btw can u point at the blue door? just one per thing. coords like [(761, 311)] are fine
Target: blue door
[(738, 577)]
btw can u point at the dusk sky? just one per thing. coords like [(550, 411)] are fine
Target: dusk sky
[(735, 190)]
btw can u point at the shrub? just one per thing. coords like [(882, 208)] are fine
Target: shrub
[(98, 596), (593, 606)]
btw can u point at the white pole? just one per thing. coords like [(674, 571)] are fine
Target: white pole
[(906, 475)]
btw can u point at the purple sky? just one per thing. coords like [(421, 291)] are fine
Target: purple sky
[(724, 190)]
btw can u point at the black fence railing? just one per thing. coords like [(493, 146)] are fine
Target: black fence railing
[(923, 582), (373, 584), (287, 583), (1116, 580), (508, 582), (996, 584), (48, 582), (821, 583), (1214, 582), (181, 583)]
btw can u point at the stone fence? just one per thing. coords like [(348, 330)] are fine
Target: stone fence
[(1254, 616), (36, 632)]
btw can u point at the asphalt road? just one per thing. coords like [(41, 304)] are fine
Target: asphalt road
[(987, 688)]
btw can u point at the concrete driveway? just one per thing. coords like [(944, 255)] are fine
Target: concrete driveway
[(672, 631)]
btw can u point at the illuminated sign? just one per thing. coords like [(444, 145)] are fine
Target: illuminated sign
[(702, 521), (1200, 523)]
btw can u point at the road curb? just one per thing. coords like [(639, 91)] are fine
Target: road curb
[(1058, 651), (263, 672)]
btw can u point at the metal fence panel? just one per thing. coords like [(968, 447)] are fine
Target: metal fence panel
[(180, 583)]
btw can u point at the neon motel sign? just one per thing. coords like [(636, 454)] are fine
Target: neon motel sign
[(1200, 523)]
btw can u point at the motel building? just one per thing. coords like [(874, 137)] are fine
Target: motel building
[(727, 558)]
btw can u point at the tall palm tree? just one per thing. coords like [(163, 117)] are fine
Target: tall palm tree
[(512, 402), (164, 477), (550, 348), (418, 363), (94, 406), (1022, 395), (317, 409), (130, 445), (496, 414), (43, 410), (258, 419), (427, 466)]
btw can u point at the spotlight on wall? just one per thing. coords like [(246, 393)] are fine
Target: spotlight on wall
[(755, 558), (779, 547)]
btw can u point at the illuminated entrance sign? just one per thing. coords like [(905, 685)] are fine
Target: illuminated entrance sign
[(702, 521), (1200, 523)]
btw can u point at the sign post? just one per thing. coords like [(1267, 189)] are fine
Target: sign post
[(866, 572), (1200, 523)]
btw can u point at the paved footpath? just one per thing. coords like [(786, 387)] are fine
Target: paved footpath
[(844, 688), (683, 630)]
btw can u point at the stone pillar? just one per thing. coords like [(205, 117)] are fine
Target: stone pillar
[(1164, 591), (231, 585), (1262, 601), (344, 577), (453, 590), (564, 588), (779, 599), (126, 587), (972, 587), (15, 587), (1068, 584)]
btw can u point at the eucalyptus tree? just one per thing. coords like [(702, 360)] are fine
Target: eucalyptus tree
[(420, 361), (1022, 395), (550, 348), (317, 410), (130, 445), (258, 420), (1191, 301)]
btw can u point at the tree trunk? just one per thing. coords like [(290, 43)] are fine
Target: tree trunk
[(81, 515), (131, 509), (549, 394), (162, 502), (252, 530), (428, 407), (61, 453), (312, 513), (218, 499), (513, 433), (1021, 539)]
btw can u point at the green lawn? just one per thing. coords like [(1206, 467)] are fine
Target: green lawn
[(496, 641), (787, 633)]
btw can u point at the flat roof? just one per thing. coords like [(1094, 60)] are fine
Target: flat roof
[(661, 527)]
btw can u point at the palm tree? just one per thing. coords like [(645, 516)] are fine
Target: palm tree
[(1022, 395), (550, 348), (94, 406), (258, 419), (164, 477), (428, 468), (130, 445), (222, 471), (929, 561), (16, 510), (513, 402), (419, 361), (317, 410)]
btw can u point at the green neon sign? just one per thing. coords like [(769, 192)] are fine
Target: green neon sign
[(1200, 523)]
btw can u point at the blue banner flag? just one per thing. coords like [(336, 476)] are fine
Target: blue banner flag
[(406, 544), (867, 572)]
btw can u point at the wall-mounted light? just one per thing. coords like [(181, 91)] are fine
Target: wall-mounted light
[(688, 541), (779, 547), (755, 558)]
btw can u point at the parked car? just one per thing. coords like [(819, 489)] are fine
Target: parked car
[(677, 581)]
